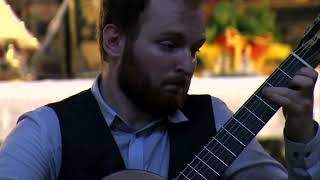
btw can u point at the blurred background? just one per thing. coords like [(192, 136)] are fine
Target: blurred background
[(48, 51)]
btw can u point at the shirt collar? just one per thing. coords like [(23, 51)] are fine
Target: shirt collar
[(109, 114)]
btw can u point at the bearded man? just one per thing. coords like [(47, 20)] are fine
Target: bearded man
[(138, 115)]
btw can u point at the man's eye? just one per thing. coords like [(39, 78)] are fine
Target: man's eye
[(168, 45)]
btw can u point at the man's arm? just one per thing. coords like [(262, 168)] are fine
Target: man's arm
[(303, 159), (28, 152)]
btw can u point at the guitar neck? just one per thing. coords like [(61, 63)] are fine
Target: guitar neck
[(245, 124)]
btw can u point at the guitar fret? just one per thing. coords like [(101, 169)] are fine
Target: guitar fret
[(254, 114), (269, 84), (264, 102), (234, 137), (243, 126), (181, 173), (216, 156), (197, 172), (285, 73), (208, 166), (301, 60), (250, 121), (225, 147)]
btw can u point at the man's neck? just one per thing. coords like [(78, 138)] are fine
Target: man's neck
[(120, 103)]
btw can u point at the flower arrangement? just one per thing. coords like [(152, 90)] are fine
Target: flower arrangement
[(241, 39)]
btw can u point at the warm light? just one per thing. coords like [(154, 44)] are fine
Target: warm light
[(14, 29), (11, 57)]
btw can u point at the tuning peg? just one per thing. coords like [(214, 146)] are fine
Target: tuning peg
[(317, 19), (307, 30)]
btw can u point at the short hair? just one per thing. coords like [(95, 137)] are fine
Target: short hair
[(125, 15)]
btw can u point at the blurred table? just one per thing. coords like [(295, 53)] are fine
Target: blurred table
[(17, 97)]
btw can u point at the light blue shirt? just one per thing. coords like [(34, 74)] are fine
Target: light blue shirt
[(32, 151)]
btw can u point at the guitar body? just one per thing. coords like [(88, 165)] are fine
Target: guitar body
[(133, 174)]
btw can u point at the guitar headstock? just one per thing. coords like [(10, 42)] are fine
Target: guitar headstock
[(309, 47), (312, 31)]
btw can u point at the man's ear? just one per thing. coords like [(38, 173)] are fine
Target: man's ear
[(113, 40)]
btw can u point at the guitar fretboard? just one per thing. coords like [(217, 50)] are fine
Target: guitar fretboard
[(245, 124)]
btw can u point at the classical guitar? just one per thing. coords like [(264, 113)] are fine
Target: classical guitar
[(216, 156)]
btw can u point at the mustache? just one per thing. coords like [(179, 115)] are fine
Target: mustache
[(177, 80)]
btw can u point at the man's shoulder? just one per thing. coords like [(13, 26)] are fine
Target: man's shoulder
[(43, 118), (35, 139), (38, 113), (47, 113), (222, 112)]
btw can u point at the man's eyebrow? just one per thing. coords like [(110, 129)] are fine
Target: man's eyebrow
[(180, 35), (173, 33)]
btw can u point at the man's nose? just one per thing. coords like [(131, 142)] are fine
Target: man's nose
[(186, 62)]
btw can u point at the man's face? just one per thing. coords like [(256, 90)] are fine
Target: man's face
[(157, 67)]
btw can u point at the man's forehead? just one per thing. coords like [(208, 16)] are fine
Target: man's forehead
[(169, 17), (175, 5), (170, 10)]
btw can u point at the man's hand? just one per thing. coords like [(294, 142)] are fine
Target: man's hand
[(297, 103)]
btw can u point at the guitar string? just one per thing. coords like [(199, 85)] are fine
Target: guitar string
[(245, 114)]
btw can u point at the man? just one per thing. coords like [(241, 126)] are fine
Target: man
[(137, 114)]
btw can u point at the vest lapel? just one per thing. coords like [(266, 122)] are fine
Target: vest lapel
[(88, 148)]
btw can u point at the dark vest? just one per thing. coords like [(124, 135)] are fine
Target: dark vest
[(90, 152)]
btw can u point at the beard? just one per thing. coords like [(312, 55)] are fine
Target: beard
[(148, 97)]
